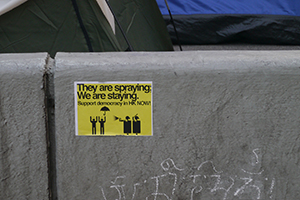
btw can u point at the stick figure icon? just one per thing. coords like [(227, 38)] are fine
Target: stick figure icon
[(93, 121), (136, 124), (102, 120), (126, 124)]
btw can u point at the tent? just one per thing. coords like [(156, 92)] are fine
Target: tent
[(140, 18), (80, 26), (231, 21)]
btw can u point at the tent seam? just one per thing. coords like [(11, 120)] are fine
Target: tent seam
[(85, 33)]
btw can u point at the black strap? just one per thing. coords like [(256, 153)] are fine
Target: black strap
[(84, 31)]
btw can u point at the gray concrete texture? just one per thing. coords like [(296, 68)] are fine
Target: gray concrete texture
[(238, 47), (226, 126), (23, 166)]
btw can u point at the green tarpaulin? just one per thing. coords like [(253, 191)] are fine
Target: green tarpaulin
[(143, 24), (80, 26)]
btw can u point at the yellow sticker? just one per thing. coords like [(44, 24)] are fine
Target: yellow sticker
[(113, 108)]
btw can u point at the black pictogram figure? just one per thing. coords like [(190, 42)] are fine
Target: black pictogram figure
[(136, 124), (93, 121), (126, 124), (102, 120)]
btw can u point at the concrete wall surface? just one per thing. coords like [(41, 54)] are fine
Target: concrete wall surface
[(23, 166), (225, 126)]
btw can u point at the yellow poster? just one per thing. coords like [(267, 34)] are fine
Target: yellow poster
[(113, 108)]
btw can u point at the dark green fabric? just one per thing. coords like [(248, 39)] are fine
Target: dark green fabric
[(52, 26), (100, 32), (143, 24)]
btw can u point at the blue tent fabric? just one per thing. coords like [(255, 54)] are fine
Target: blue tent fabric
[(258, 7), (216, 21)]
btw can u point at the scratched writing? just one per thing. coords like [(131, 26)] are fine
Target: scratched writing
[(205, 181)]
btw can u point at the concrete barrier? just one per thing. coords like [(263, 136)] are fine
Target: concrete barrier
[(23, 166), (225, 126)]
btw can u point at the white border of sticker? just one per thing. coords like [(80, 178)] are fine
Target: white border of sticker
[(111, 82)]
